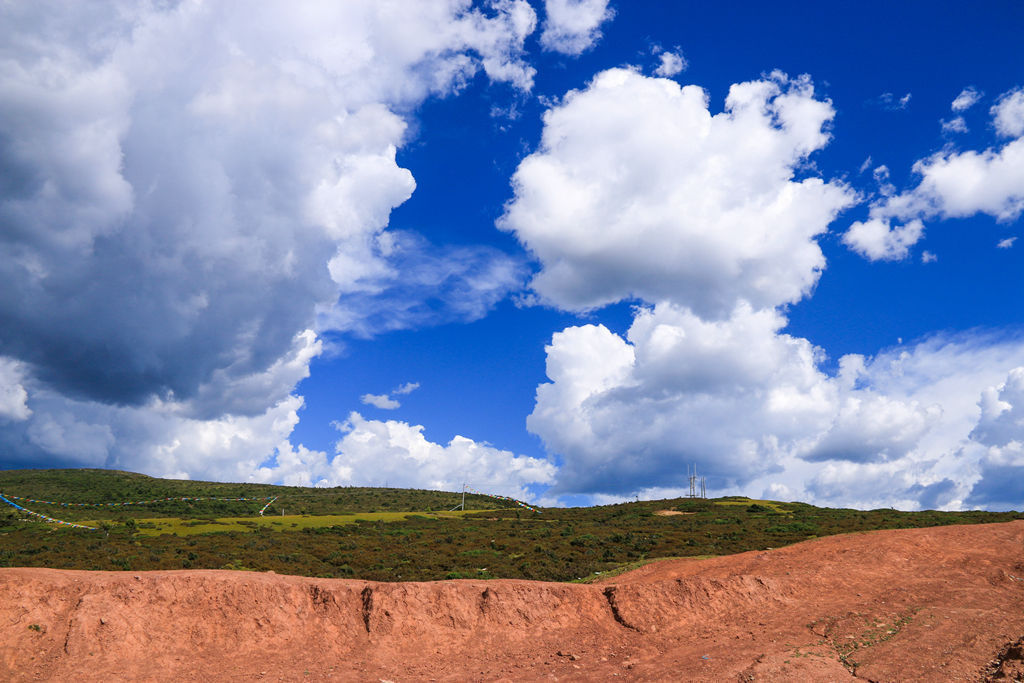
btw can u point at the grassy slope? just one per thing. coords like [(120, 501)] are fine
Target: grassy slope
[(197, 526), (384, 542), (102, 486)]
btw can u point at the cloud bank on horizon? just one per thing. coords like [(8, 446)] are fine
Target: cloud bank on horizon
[(187, 235)]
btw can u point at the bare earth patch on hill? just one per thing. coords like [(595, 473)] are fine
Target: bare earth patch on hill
[(932, 604)]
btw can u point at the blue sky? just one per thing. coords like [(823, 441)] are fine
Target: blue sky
[(560, 250)]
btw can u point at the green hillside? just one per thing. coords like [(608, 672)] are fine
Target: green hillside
[(106, 486), (395, 534)]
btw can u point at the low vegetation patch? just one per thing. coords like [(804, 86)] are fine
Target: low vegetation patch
[(193, 527)]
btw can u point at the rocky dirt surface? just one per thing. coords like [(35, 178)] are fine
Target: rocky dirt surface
[(941, 604)]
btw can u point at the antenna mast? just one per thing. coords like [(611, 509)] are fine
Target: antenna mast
[(692, 477)]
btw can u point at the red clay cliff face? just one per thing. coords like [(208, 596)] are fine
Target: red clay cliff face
[(920, 605)]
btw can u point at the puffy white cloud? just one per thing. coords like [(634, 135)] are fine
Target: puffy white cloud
[(877, 239), (637, 190), (188, 199), (250, 393), (1001, 432), (961, 184), (633, 194), (873, 427), (375, 452), (731, 395), (163, 439), (158, 438), (1002, 412), (949, 466), (406, 388), (1008, 114), (967, 98), (645, 493), (573, 26), (739, 398), (753, 408), (954, 125), (670, 64), (13, 397), (707, 376), (881, 175), (166, 437), (776, 491), (177, 220), (382, 401), (881, 485), (928, 257), (226, 448), (953, 184), (62, 433), (1006, 243)]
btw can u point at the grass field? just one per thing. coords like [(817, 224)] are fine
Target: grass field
[(398, 534), (768, 505), (179, 526)]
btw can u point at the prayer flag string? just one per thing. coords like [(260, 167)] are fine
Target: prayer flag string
[(511, 500), (264, 508), (52, 520), (8, 499), (134, 502)]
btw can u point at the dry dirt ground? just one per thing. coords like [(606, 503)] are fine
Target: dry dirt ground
[(943, 604)]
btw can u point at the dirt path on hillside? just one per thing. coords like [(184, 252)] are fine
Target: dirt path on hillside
[(920, 605)]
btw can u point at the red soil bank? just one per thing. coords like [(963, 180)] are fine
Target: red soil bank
[(942, 604)]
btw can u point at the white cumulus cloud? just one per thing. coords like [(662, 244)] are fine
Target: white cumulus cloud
[(754, 408), (163, 436), (13, 397), (1002, 412), (879, 240), (374, 452), (967, 98), (638, 190), (212, 209), (1008, 114), (670, 64), (961, 184), (625, 414), (954, 125), (1000, 431), (406, 388), (382, 401), (953, 184), (573, 26)]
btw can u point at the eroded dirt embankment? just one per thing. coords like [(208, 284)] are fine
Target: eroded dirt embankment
[(926, 605)]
